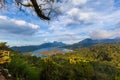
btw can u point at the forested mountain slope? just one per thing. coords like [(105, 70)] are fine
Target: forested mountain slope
[(91, 42)]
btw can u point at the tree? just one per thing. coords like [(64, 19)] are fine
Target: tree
[(3, 46), (43, 8), (4, 53)]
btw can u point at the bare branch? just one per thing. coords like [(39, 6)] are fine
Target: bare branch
[(26, 5), (39, 11), (43, 9)]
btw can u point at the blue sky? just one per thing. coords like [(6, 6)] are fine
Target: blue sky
[(79, 19)]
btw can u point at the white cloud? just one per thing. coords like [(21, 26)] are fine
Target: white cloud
[(78, 19), (14, 26), (79, 2), (3, 17), (80, 15), (96, 17), (104, 34)]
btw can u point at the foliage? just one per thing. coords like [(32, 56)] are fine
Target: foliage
[(4, 53), (3, 46), (21, 70), (100, 62)]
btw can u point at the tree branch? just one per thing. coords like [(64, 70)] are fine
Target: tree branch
[(38, 10), (26, 5)]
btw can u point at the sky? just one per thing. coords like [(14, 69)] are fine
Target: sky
[(77, 20)]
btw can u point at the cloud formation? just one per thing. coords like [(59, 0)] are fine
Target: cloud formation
[(16, 27), (104, 34), (77, 20), (94, 18), (16, 31)]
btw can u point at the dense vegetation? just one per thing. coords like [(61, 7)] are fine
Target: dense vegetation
[(4, 53), (100, 62)]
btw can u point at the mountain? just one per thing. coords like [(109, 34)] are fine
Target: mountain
[(90, 42), (36, 47), (51, 45)]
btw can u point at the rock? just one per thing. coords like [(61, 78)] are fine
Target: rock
[(4, 74), (2, 77)]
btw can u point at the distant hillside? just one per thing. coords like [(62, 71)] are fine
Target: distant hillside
[(36, 47), (84, 43), (90, 42)]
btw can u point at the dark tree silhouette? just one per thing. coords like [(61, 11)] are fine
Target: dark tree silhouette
[(38, 6)]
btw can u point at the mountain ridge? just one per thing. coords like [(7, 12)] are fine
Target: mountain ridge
[(36, 47), (90, 42), (84, 43)]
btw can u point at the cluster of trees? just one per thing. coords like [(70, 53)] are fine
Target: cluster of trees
[(3, 46), (4, 53), (100, 62)]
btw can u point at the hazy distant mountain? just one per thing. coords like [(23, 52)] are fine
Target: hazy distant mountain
[(90, 42), (36, 47), (50, 45)]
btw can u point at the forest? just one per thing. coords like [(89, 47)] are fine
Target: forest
[(99, 62)]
